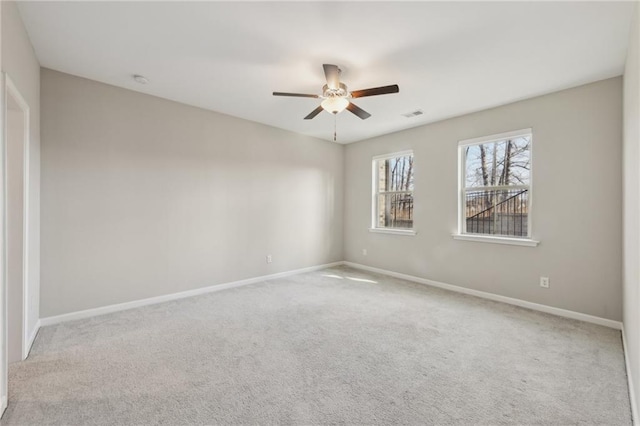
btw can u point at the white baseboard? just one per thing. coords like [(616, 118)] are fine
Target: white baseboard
[(495, 297), (32, 338), (189, 293), (632, 394), (174, 296)]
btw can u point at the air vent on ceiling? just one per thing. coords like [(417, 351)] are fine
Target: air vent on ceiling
[(413, 113)]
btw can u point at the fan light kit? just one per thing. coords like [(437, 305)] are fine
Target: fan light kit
[(336, 97), (334, 105)]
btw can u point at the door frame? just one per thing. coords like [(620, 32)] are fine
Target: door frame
[(12, 90)]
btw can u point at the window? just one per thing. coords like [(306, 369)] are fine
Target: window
[(393, 177), (495, 185)]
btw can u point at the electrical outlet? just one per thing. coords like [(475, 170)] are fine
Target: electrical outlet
[(269, 258), (364, 252), (544, 282)]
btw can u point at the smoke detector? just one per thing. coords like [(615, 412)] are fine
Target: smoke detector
[(413, 113), (140, 79)]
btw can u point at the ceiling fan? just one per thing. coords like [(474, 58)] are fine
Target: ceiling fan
[(336, 97)]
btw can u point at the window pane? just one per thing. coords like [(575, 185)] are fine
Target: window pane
[(506, 162), (503, 212), (395, 211), (396, 174)]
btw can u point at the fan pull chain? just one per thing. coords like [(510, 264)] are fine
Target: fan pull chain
[(335, 127)]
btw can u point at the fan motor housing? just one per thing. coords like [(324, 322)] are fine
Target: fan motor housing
[(341, 92)]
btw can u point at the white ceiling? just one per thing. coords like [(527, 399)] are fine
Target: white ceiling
[(448, 58)]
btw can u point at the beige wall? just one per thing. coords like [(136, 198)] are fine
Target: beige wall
[(20, 64), (631, 260), (576, 213), (144, 197)]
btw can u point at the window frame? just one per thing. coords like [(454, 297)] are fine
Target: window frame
[(462, 233), (375, 193)]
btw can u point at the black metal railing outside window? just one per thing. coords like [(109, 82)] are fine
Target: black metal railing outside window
[(497, 212)]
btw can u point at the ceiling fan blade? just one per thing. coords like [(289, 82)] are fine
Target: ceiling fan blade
[(314, 113), (375, 91), (297, 95), (332, 74), (358, 111)]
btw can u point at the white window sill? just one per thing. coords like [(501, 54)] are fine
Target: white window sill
[(497, 240), (410, 232)]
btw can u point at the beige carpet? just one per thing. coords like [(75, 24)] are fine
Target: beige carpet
[(337, 346)]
